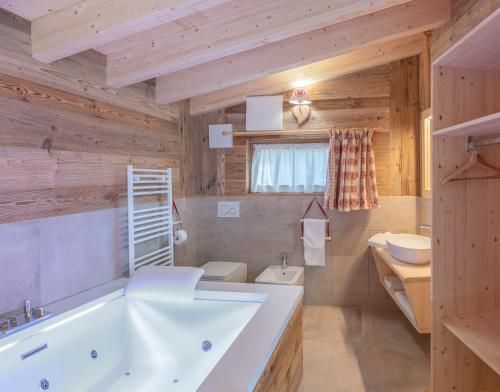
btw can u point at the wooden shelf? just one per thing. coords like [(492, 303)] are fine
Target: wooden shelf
[(297, 133), (482, 126), (479, 49), (416, 283), (406, 272), (480, 333), (407, 312)]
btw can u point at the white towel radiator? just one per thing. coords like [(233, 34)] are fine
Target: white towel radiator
[(149, 217)]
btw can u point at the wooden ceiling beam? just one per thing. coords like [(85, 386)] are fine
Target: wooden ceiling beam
[(91, 23), (409, 19), (256, 23), (358, 60)]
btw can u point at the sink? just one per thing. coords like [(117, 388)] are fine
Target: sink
[(409, 248), (274, 274)]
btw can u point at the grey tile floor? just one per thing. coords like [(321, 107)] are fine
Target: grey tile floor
[(363, 350)]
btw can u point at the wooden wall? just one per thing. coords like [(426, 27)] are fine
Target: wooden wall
[(62, 153), (385, 97), (66, 137), (199, 163)]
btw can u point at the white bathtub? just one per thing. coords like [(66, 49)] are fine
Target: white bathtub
[(100, 341)]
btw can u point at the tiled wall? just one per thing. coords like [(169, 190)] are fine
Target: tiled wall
[(48, 259), (269, 225)]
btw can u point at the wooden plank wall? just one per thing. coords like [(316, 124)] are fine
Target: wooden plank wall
[(66, 138), (404, 169), (199, 163), (385, 97), (61, 153)]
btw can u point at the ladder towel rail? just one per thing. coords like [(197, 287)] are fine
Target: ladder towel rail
[(149, 227)]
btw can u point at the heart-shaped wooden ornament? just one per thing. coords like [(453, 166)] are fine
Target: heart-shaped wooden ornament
[(301, 113)]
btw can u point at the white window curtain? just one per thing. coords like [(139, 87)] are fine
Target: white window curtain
[(289, 168)]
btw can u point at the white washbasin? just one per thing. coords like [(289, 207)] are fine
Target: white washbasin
[(409, 248), (274, 274)]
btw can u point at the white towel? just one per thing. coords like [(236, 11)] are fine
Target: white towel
[(314, 241), (394, 283), (161, 283), (402, 298)]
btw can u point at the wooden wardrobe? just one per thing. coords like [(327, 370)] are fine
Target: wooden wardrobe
[(466, 215)]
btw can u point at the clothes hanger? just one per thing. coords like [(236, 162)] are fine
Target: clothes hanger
[(475, 160)]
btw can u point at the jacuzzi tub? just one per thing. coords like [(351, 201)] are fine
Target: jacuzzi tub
[(101, 341)]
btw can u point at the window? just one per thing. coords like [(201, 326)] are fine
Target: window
[(289, 168)]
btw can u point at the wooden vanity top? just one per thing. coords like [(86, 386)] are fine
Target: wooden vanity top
[(406, 272)]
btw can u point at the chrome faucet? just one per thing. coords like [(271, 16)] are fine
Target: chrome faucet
[(12, 322), (27, 310), (425, 226), (284, 260)]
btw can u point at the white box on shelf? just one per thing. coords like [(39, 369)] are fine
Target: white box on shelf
[(228, 209)]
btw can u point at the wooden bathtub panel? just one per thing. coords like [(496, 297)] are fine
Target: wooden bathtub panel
[(284, 370)]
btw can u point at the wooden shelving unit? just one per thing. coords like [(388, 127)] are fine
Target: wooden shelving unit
[(482, 126), (480, 332), (478, 49), (294, 133), (416, 282), (466, 215)]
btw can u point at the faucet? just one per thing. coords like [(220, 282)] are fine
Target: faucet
[(11, 322), (27, 310), (425, 226), (284, 261)]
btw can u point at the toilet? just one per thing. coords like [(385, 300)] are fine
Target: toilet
[(225, 271)]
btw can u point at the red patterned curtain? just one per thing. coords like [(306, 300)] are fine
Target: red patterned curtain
[(351, 180)]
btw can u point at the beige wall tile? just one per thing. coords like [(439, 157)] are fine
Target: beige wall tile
[(269, 225)]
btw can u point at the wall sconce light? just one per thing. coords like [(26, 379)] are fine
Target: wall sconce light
[(301, 99)]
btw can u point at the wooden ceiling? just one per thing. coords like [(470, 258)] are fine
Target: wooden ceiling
[(218, 51)]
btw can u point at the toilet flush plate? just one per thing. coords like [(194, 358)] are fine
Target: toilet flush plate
[(228, 209)]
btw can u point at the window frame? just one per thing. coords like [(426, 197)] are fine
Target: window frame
[(251, 151), (426, 154)]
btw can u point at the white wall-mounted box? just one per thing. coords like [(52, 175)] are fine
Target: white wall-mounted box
[(220, 136), (264, 113)]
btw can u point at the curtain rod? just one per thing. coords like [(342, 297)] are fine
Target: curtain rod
[(310, 132)]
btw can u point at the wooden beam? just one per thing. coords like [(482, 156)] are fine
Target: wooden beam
[(32, 9), (91, 23), (83, 74), (415, 17), (360, 59), (256, 23)]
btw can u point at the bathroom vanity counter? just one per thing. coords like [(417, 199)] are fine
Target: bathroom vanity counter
[(413, 295), (406, 272)]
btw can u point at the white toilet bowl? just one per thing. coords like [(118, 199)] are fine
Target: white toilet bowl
[(225, 271)]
